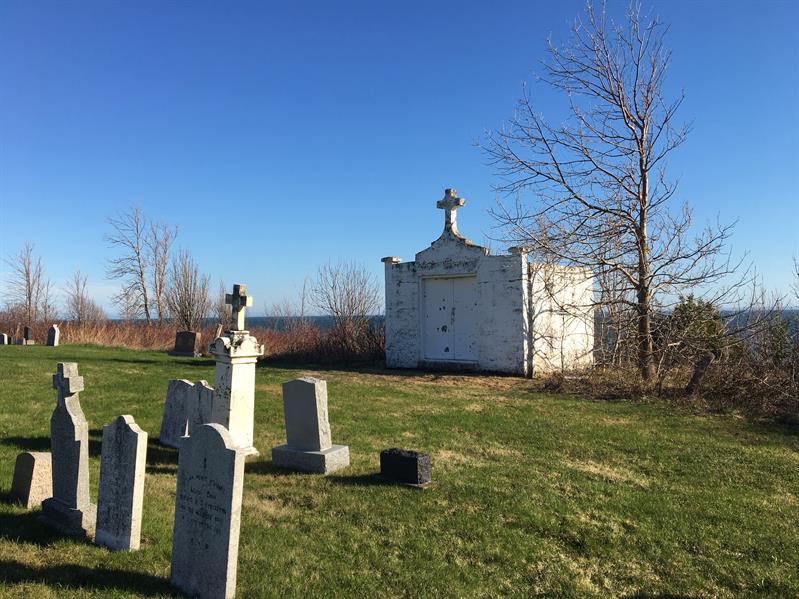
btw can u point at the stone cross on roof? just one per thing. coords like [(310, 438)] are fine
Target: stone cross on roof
[(66, 380), (450, 204), (239, 300)]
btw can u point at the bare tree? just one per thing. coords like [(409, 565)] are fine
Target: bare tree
[(187, 294), (602, 195), (141, 264), (291, 312), (80, 308), (219, 308), (28, 290), (132, 263), (347, 292), (158, 240)]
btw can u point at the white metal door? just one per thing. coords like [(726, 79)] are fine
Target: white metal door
[(450, 319), (464, 293), (438, 319)]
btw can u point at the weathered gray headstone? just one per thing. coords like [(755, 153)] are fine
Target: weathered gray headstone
[(69, 509), (33, 479), (53, 335), (205, 540), (119, 500), (308, 447), (187, 343), (199, 407), (4, 339), (187, 405)]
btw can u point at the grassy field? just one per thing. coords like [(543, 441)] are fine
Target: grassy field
[(535, 494)]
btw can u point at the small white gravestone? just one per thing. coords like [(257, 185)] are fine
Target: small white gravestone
[(236, 353), (53, 336), (187, 406), (205, 540), (4, 339), (308, 447), (119, 500), (69, 509), (33, 479)]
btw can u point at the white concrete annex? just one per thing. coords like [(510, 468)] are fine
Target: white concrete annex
[(458, 307)]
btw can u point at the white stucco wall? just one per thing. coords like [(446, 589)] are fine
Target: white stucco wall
[(528, 319), (562, 317)]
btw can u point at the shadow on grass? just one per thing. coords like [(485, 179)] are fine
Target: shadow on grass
[(160, 458), (363, 480), (83, 577), (38, 443), (267, 467), (25, 528)]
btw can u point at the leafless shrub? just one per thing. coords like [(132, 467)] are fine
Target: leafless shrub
[(80, 308), (291, 312), (219, 309), (349, 294), (28, 295), (187, 294)]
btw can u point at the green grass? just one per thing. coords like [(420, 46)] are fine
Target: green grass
[(535, 494)]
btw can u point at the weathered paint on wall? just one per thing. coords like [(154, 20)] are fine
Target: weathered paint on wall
[(509, 316)]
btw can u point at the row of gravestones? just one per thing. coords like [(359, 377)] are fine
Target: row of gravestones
[(59, 481), (213, 429), (53, 336)]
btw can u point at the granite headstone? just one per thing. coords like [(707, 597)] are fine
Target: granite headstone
[(69, 509), (205, 540), (119, 500)]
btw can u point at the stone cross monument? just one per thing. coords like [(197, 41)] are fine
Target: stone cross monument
[(239, 300), (450, 204), (69, 509), (236, 353)]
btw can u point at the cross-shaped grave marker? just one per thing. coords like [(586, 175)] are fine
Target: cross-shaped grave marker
[(450, 204), (239, 300), (66, 380)]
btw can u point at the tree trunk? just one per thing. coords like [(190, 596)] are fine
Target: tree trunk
[(646, 358), (700, 368)]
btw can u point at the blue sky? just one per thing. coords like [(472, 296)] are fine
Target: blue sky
[(279, 136)]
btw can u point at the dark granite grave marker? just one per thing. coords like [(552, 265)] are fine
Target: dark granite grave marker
[(405, 466), (187, 343)]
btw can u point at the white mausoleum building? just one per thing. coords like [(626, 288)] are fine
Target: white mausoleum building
[(456, 306)]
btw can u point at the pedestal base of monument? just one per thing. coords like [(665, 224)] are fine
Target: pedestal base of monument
[(69, 521), (321, 462), (249, 452)]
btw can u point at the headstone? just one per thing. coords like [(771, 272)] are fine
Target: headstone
[(69, 509), (187, 405), (187, 343), (236, 353), (33, 479), (405, 466), (121, 490), (308, 447), (205, 540), (4, 339), (53, 335), (27, 336)]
